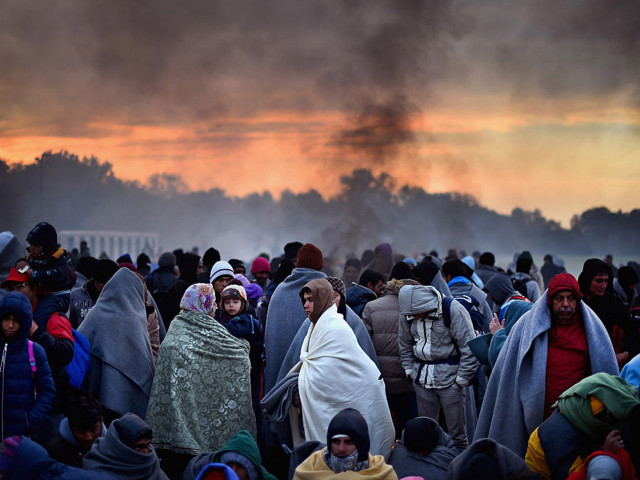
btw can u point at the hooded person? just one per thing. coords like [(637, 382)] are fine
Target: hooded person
[(554, 345), (501, 291), (509, 315), (589, 417), (596, 284), (208, 408), (428, 272), (330, 346), (424, 450), (347, 454), (285, 313), (523, 281), (470, 262), (433, 336), (382, 261), (487, 459), (28, 391), (122, 364), (241, 450), (85, 297), (125, 452)]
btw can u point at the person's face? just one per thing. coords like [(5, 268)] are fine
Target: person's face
[(261, 277), (564, 305), (35, 250), (22, 287), (336, 298), (99, 285), (86, 436), (599, 285), (342, 447), (232, 306), (378, 288), (240, 269), (221, 283), (308, 303), (199, 270), (10, 326), (142, 446), (351, 275), (240, 471)]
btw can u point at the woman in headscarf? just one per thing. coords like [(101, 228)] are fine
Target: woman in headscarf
[(335, 373), (122, 365), (212, 369)]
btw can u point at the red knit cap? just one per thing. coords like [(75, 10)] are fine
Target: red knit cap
[(564, 281), (260, 264), (310, 256)]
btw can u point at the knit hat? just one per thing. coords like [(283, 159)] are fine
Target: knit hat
[(105, 269), (219, 269), (291, 250), (254, 292), (260, 264), (401, 271), (310, 256), (526, 255), (234, 291), (44, 235), (126, 258), (480, 466), (231, 456), (167, 259), (235, 263), (351, 422), (87, 266), (421, 434), (14, 276), (563, 281), (627, 276), (210, 257), (338, 286)]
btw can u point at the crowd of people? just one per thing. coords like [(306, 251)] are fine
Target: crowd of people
[(292, 367)]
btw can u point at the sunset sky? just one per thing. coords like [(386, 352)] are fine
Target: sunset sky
[(521, 104)]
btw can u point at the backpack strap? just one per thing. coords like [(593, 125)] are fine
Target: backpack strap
[(446, 316), (32, 362)]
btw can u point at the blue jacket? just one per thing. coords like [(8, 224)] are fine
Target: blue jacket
[(21, 413)]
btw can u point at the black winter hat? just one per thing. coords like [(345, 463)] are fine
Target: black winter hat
[(351, 422), (291, 250), (401, 271), (44, 235), (421, 434), (105, 269), (210, 257)]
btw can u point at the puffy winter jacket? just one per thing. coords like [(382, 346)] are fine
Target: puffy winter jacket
[(22, 414), (434, 355)]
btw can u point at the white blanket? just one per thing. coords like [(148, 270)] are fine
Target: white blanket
[(335, 374)]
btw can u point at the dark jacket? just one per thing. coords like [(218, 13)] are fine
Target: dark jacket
[(64, 447), (58, 344), (21, 412), (33, 463), (51, 271), (358, 297)]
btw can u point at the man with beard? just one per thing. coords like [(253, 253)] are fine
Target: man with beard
[(556, 344)]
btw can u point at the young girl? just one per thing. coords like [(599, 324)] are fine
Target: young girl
[(240, 324), (26, 382)]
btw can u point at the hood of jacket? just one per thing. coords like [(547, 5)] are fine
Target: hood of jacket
[(414, 299), (18, 304)]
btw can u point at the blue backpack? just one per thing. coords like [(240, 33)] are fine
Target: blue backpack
[(79, 365)]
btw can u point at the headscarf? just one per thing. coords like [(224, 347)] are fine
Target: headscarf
[(614, 393), (199, 297), (322, 292)]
